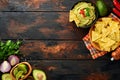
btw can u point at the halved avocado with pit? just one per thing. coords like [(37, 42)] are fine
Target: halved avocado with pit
[(39, 74)]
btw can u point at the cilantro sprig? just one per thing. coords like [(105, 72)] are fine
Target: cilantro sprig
[(9, 48)]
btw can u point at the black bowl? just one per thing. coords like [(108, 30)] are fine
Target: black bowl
[(96, 14)]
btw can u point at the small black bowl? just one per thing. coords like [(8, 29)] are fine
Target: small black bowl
[(96, 14)]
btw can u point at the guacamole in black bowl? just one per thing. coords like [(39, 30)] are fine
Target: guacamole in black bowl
[(83, 14)]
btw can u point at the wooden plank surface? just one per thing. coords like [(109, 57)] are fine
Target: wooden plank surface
[(78, 69), (42, 25), (52, 49), (42, 5), (51, 42)]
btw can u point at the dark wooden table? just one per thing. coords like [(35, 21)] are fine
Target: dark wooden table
[(51, 42)]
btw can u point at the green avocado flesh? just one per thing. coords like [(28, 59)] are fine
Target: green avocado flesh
[(39, 74), (15, 71), (6, 76), (22, 67), (20, 71), (83, 14)]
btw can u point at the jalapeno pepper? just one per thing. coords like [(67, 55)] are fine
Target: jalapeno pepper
[(116, 12), (116, 4), (87, 12)]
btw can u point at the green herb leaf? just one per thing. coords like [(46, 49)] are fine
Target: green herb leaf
[(9, 48)]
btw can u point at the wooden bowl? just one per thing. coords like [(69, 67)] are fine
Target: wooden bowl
[(26, 75), (94, 44)]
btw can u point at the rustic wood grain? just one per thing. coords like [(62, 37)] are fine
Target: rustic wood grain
[(39, 25), (43, 5), (51, 43), (78, 69), (52, 49)]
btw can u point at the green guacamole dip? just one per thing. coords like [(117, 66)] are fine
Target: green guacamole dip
[(83, 14)]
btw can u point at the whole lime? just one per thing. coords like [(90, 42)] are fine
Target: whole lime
[(102, 8)]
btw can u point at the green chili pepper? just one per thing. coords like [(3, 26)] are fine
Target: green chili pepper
[(87, 11)]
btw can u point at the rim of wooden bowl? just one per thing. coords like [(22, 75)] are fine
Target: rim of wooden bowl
[(26, 75)]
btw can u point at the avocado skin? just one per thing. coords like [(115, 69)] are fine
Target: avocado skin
[(102, 8), (36, 72)]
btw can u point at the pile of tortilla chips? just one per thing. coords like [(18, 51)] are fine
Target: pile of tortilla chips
[(106, 34)]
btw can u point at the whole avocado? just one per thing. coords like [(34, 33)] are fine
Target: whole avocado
[(102, 8)]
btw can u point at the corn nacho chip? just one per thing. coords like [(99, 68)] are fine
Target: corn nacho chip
[(106, 34)]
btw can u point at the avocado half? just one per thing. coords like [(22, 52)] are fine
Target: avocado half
[(6, 76), (39, 74)]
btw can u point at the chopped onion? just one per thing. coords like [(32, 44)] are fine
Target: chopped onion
[(5, 66), (13, 60)]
